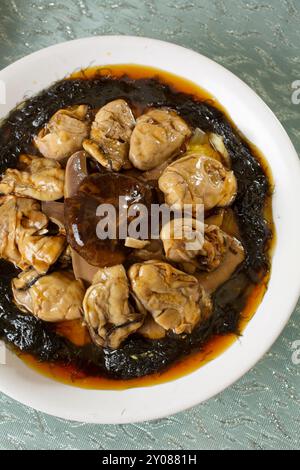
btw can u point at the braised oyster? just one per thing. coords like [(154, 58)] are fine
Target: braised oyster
[(38, 178), (197, 179), (64, 133), (53, 298), (110, 135), (24, 238), (157, 136), (194, 245), (175, 299), (108, 312)]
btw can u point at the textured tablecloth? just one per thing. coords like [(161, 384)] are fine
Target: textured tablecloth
[(258, 40)]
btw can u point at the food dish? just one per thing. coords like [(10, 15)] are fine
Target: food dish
[(142, 273), (142, 303)]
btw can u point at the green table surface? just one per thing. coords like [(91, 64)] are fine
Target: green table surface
[(259, 41)]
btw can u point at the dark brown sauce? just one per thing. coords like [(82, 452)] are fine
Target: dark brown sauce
[(64, 352)]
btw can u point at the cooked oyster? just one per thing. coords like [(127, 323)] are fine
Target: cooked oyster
[(21, 289), (110, 135), (175, 299), (233, 257), (64, 133), (23, 235), (151, 330), (39, 178), (26, 279), (52, 298), (158, 135), (107, 309), (194, 245), (196, 179)]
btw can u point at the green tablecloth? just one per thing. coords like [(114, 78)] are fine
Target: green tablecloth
[(258, 40)]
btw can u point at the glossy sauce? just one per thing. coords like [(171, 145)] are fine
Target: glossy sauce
[(78, 335)]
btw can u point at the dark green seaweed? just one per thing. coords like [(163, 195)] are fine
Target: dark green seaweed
[(138, 356)]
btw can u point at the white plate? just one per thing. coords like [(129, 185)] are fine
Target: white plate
[(37, 71)]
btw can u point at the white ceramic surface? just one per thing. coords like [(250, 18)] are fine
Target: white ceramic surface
[(39, 70)]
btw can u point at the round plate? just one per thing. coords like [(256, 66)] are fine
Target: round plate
[(255, 120)]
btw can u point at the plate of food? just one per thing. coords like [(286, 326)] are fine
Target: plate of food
[(148, 229)]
